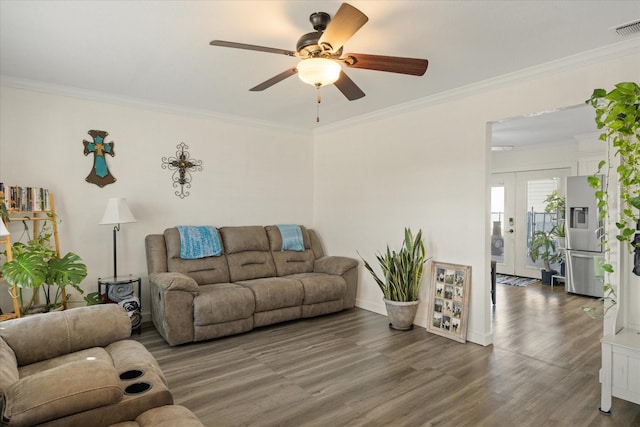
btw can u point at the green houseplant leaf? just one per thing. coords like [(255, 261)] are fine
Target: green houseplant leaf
[(617, 114), (35, 265), (27, 270), (402, 271), (68, 270)]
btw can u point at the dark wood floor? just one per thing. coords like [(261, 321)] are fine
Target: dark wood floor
[(350, 369)]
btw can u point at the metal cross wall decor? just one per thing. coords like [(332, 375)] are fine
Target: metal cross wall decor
[(182, 166), (99, 174)]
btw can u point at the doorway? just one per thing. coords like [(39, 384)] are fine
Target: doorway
[(517, 211)]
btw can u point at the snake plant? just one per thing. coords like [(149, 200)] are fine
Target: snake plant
[(402, 271)]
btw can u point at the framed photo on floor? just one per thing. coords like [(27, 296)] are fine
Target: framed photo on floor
[(449, 300)]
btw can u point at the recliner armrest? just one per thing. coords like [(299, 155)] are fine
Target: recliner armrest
[(334, 265), (64, 390), (174, 282), (65, 332)]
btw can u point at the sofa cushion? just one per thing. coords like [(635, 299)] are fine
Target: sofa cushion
[(242, 239), (250, 265), (313, 310), (221, 303), (94, 353), (8, 367), (206, 270), (61, 391), (319, 287), (48, 335), (290, 262), (247, 250), (164, 416), (275, 292), (168, 416)]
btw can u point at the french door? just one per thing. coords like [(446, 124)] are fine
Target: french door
[(517, 210)]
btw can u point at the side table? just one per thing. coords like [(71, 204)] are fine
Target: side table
[(136, 314)]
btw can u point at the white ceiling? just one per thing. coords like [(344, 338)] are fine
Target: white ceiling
[(546, 129), (157, 52)]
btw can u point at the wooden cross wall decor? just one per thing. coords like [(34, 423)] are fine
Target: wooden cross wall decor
[(182, 166), (99, 174)]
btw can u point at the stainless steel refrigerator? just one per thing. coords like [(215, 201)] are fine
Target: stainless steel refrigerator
[(584, 239)]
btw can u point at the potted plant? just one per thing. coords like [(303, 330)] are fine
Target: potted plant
[(543, 246), (618, 115), (555, 204), (35, 265), (546, 245), (401, 279)]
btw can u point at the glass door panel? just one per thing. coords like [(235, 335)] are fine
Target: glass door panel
[(537, 218), (517, 211), (503, 221), (532, 188), (497, 224)]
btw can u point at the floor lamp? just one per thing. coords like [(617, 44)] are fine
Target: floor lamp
[(4, 235), (117, 213)]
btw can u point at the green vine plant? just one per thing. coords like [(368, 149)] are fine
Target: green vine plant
[(617, 114)]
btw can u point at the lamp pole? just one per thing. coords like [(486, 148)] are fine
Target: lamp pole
[(116, 228)]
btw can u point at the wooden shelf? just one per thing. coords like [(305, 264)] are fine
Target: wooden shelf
[(34, 216)]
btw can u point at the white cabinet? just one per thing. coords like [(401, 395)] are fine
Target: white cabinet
[(620, 367)]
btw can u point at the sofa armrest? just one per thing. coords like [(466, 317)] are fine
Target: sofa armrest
[(174, 282), (65, 331), (74, 387), (172, 296), (8, 367), (334, 265), (344, 267)]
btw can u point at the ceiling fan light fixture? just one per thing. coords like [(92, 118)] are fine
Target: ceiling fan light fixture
[(318, 71)]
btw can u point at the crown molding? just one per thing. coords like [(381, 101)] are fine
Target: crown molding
[(594, 56), (603, 54), (89, 95)]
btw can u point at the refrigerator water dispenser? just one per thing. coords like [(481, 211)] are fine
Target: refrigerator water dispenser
[(579, 218)]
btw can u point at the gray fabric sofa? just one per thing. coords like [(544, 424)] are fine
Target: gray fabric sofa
[(77, 368), (252, 283)]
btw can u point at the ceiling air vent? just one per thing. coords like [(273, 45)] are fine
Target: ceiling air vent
[(628, 28)]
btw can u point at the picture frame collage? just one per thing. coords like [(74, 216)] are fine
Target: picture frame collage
[(449, 300)]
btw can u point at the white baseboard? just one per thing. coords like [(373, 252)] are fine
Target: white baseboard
[(421, 320)]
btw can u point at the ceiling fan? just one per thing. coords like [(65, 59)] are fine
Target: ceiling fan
[(321, 54)]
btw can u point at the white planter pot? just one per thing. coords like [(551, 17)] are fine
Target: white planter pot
[(401, 314)]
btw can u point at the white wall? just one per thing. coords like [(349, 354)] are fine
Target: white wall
[(526, 160), (357, 184), (430, 169), (250, 175)]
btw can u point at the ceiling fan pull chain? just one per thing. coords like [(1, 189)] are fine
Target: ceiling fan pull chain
[(318, 105)]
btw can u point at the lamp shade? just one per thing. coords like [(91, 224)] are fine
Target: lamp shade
[(3, 229), (318, 71), (117, 212)]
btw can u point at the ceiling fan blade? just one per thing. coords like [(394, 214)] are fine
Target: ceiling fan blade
[(348, 88), (273, 80), (392, 64), (235, 45), (342, 27)]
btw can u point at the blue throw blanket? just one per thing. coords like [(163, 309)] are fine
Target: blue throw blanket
[(199, 241), (291, 237)]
